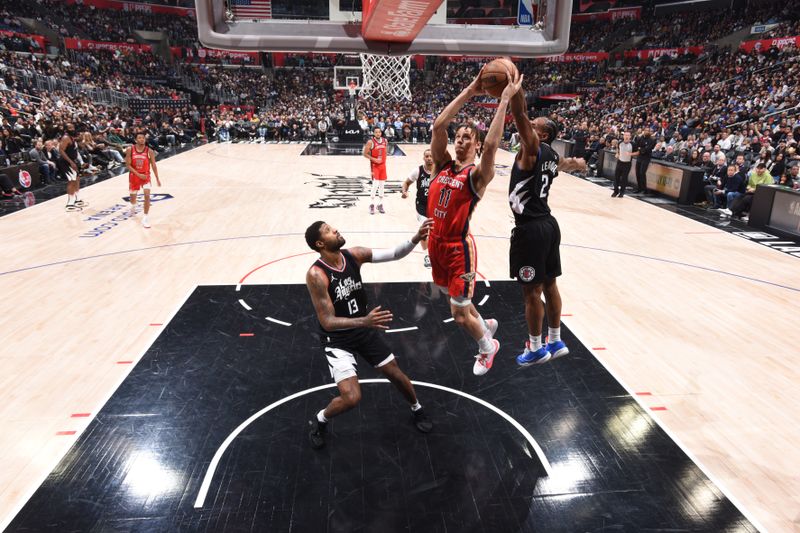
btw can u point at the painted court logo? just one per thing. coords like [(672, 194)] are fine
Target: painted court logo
[(527, 273), (344, 191), (25, 179)]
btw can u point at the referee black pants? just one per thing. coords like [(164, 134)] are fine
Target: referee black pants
[(641, 173), (621, 177)]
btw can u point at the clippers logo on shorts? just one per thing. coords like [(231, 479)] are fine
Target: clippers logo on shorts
[(527, 273), (25, 178), (468, 277)]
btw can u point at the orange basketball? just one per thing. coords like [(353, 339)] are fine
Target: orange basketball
[(495, 75)]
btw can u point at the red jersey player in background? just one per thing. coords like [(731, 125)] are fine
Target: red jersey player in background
[(375, 151), (140, 159), (453, 194)]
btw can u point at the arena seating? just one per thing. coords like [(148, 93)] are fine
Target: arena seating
[(718, 96)]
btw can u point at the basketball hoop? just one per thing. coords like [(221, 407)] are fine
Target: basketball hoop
[(386, 77)]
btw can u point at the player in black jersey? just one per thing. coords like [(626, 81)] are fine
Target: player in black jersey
[(535, 260), (67, 165), (337, 292), (422, 177)]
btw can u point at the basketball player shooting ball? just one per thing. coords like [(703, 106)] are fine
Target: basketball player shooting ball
[(458, 186), (375, 151)]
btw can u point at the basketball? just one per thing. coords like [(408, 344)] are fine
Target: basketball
[(494, 76)]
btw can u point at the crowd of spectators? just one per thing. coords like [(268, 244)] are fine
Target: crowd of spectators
[(658, 31), (111, 25), (690, 108), (137, 75), (689, 28)]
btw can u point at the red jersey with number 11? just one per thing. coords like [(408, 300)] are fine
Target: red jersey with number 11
[(451, 200)]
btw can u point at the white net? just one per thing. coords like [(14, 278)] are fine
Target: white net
[(385, 77)]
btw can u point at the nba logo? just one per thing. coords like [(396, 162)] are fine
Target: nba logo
[(525, 13), (25, 178)]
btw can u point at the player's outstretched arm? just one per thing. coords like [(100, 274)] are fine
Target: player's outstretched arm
[(482, 175), (439, 133), (384, 255), (414, 176), (317, 285), (528, 137)]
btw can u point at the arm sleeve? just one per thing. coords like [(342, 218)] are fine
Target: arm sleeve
[(398, 252), (414, 176)]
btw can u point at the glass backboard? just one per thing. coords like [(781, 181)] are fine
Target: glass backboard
[(518, 28)]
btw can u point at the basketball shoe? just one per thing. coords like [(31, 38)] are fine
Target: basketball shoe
[(529, 357), (483, 361), (316, 436), (421, 421), (557, 349)]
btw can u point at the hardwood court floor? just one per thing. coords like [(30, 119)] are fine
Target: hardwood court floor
[(159, 456), (700, 321)]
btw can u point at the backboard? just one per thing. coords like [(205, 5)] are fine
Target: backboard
[(518, 28)]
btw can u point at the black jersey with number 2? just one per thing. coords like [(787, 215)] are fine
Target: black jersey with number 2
[(528, 189), (345, 288), (423, 184)]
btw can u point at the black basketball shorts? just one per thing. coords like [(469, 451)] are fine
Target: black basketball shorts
[(341, 347), (534, 255)]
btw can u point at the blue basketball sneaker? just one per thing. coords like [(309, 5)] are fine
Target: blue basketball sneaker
[(533, 358), (557, 349)]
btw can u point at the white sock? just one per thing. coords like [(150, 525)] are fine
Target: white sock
[(71, 199), (416, 407), (554, 334), (380, 190), (372, 194), (485, 343), (535, 341), (321, 417)]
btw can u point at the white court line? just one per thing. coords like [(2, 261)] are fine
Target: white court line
[(238, 287), (401, 329), (281, 322), (212, 466), (728, 494), (29, 494), (244, 304), (486, 282), (446, 320), (483, 301)]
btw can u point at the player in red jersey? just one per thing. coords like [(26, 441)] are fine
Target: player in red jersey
[(375, 151), (140, 159), (453, 194)]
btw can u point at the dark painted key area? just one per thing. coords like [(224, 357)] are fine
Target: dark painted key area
[(139, 465)]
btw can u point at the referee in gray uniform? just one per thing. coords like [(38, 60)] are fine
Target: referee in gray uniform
[(624, 154)]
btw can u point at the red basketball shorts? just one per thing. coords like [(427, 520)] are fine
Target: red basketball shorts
[(135, 183), (454, 265), (379, 172)]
